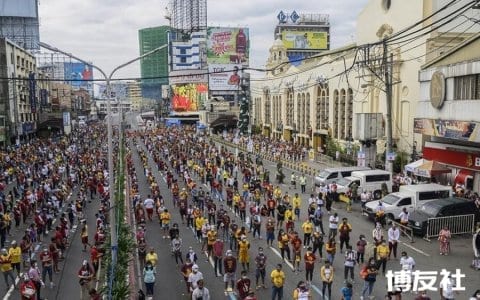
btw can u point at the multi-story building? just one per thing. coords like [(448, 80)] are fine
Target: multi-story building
[(447, 120), (319, 98), (18, 97), (153, 68), (19, 23), (188, 51), (135, 95)]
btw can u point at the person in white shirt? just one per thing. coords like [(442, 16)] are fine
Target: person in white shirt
[(393, 237), (201, 292), (407, 262), (446, 289), (149, 205), (404, 216), (194, 278), (333, 225), (363, 198)]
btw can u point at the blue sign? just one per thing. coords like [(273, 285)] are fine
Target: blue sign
[(294, 17), (32, 86), (282, 17), (43, 98), (27, 127)]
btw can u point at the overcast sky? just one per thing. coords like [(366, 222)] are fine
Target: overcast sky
[(105, 32)]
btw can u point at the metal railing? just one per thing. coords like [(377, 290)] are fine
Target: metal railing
[(405, 230), (464, 224)]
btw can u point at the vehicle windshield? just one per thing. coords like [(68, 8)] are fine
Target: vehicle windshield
[(343, 182), (429, 209), (390, 199), (324, 174)]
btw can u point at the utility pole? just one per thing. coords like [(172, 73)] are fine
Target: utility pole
[(388, 69)]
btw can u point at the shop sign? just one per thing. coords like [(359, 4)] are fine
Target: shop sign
[(454, 158)]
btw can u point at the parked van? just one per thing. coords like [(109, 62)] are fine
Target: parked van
[(369, 180), (409, 196), (330, 175)]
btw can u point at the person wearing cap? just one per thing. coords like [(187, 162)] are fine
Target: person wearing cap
[(47, 265), (243, 256), (194, 277), (230, 267), (15, 253), (85, 275), (278, 280), (6, 267)]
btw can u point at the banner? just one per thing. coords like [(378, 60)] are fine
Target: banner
[(228, 45), (305, 40), (224, 77), (76, 73), (188, 97), (32, 88), (187, 76), (452, 129)]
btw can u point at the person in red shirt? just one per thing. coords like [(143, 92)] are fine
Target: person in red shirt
[(47, 265), (309, 258), (95, 257), (94, 295), (243, 285), (27, 288), (297, 252), (55, 254), (230, 267)]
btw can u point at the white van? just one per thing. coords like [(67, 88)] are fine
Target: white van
[(330, 175), (409, 196), (370, 180)]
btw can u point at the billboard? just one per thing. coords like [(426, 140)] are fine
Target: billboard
[(227, 45), (224, 77), (19, 8), (187, 76), (76, 72), (188, 97), (118, 90), (452, 129), (305, 40)]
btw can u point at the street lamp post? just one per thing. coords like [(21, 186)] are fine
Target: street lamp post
[(108, 79)]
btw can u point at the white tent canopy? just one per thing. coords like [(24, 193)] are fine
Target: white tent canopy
[(413, 165)]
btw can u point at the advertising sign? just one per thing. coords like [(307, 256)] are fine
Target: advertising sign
[(305, 40), (187, 76), (452, 129), (227, 45), (76, 73), (66, 118), (188, 97), (32, 87), (224, 77)]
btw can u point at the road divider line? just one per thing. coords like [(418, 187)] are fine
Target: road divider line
[(415, 249), (280, 255), (317, 290)]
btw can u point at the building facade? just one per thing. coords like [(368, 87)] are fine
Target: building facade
[(154, 68), (319, 98), (135, 95)]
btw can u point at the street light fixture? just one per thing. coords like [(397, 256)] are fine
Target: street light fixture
[(113, 233)]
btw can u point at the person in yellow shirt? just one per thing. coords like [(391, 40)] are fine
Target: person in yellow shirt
[(307, 228), (199, 221), (15, 253), (277, 193), (297, 203), (278, 279), (151, 257), (243, 257), (165, 221), (382, 256), (211, 238), (6, 267), (327, 274), (289, 213), (236, 203)]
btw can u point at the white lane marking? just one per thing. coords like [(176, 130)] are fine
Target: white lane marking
[(316, 289), (280, 255), (415, 249)]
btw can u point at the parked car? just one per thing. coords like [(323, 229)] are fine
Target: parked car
[(446, 207), (330, 175)]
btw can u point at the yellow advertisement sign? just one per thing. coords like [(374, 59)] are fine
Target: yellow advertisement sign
[(305, 40)]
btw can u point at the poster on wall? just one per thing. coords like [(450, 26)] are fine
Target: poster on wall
[(188, 97), (452, 129), (224, 77), (228, 45)]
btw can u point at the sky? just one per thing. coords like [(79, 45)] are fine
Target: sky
[(105, 32)]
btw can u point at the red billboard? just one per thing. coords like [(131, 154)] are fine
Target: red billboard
[(189, 97)]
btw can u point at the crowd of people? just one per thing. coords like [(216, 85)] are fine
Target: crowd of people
[(236, 208), (45, 187)]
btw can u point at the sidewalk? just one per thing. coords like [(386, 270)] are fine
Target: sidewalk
[(307, 167)]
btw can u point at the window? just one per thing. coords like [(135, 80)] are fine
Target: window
[(405, 201), (346, 173), (377, 178), (433, 195), (183, 51), (183, 60), (333, 175), (467, 87)]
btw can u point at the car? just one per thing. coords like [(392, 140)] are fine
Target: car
[(447, 207)]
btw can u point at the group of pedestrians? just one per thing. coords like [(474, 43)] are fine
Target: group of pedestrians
[(45, 186)]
